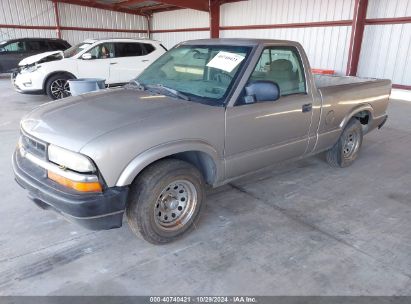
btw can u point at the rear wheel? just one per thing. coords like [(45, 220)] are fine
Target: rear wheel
[(348, 146), (57, 86), (165, 201)]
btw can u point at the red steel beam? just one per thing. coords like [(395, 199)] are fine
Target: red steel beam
[(357, 33), (56, 13), (95, 29), (70, 28), (402, 87), (148, 19), (201, 5), (191, 29), (214, 19), (288, 25), (110, 7), (28, 27), (396, 20)]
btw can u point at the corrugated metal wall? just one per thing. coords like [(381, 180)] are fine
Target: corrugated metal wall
[(180, 19), (81, 16), (41, 13), (386, 49), (285, 11), (26, 12), (327, 47)]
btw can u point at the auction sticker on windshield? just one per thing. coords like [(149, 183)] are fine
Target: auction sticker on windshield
[(225, 61)]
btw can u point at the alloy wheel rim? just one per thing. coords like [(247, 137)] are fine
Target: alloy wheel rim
[(175, 205), (60, 88)]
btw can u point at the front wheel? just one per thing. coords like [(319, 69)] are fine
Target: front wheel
[(57, 86), (348, 146), (165, 201)]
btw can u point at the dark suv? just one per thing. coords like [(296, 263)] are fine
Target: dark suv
[(13, 51)]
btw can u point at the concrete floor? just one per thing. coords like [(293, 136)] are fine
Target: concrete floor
[(299, 229)]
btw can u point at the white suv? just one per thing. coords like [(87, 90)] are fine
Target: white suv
[(116, 60)]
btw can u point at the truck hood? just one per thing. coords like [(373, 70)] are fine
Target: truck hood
[(43, 57), (73, 122)]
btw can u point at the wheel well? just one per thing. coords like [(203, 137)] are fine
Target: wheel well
[(56, 73), (363, 117), (202, 161)]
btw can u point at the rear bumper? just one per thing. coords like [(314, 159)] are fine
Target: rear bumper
[(97, 211), (382, 121)]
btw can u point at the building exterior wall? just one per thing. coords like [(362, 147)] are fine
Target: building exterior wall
[(323, 27), (253, 12), (41, 13), (177, 20), (386, 48), (327, 46), (88, 17)]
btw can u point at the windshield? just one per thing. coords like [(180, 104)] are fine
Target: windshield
[(200, 72), (74, 50)]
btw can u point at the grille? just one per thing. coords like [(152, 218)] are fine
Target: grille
[(33, 146)]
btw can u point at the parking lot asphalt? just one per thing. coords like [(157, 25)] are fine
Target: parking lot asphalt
[(300, 228)]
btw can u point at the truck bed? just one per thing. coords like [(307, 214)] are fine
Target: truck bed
[(323, 81)]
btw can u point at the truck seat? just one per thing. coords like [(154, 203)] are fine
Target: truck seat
[(281, 72)]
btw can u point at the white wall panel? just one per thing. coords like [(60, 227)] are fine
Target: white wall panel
[(82, 16), (179, 19), (326, 47), (285, 11), (41, 13), (386, 53), (27, 12), (6, 34), (171, 39), (388, 8)]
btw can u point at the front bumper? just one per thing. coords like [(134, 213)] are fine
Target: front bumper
[(96, 211), (27, 83)]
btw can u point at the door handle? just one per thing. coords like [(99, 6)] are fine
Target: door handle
[(113, 63), (145, 60), (307, 107)]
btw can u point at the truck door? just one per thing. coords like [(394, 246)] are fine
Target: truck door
[(260, 134)]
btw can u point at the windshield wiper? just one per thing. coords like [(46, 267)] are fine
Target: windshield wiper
[(135, 82), (169, 90)]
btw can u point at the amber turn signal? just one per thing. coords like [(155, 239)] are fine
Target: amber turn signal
[(78, 186)]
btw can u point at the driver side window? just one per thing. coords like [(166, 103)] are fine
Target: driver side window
[(14, 47), (283, 66), (103, 51)]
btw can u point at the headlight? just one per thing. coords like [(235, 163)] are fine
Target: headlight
[(71, 160), (32, 68)]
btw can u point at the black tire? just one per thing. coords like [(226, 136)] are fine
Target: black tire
[(59, 82), (348, 146), (152, 200)]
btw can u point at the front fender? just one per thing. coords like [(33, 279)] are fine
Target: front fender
[(151, 155)]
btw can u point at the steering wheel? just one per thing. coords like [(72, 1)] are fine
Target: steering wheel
[(222, 77)]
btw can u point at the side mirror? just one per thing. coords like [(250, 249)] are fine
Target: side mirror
[(261, 90), (86, 56)]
